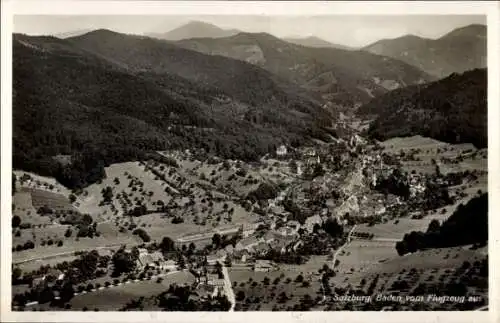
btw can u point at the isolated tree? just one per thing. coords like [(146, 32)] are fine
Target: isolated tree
[(16, 221), (216, 240), (434, 226), (167, 245), (240, 296)]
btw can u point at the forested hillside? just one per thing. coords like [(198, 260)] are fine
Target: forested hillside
[(344, 77), (453, 110), (103, 109), (460, 50), (467, 225)]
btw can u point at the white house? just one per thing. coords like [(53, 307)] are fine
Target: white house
[(263, 266), (311, 221), (281, 151)]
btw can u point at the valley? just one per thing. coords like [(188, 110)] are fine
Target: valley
[(214, 169)]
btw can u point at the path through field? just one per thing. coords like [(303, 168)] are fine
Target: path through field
[(64, 254), (343, 246), (228, 288)]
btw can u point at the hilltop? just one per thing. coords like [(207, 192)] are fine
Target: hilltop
[(116, 97), (460, 50), (313, 41), (195, 29), (453, 110)]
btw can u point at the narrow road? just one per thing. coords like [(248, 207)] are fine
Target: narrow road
[(66, 253), (228, 288), (337, 253), (386, 239), (343, 246)]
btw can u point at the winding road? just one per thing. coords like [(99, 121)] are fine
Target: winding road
[(343, 246), (228, 288), (66, 253)]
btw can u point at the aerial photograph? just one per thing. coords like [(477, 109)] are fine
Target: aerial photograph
[(249, 163)]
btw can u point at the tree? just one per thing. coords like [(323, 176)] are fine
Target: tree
[(67, 292), (16, 274), (401, 248), (167, 245), (123, 262), (181, 263), (332, 227), (107, 194), (240, 296), (72, 198), (434, 226), (16, 221), (216, 240), (191, 248), (14, 179), (68, 233)]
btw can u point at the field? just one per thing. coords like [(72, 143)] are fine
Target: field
[(115, 297), (360, 255), (428, 149), (265, 297), (427, 269), (25, 210), (394, 229), (54, 201)]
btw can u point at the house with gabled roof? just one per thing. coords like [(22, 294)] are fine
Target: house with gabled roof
[(263, 265), (247, 243)]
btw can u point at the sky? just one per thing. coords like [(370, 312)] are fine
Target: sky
[(350, 30)]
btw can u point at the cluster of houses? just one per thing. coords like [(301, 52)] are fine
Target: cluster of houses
[(154, 260)]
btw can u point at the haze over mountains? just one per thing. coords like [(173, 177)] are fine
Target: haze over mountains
[(460, 50), (195, 29), (313, 41)]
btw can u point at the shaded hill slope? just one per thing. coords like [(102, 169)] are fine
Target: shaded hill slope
[(339, 76), (453, 110), (102, 109), (313, 41), (460, 50)]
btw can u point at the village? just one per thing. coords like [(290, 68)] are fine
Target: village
[(297, 217)]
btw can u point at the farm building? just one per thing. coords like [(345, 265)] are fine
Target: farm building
[(170, 265), (261, 248), (154, 259), (263, 266), (311, 221), (242, 255), (213, 259), (247, 243), (229, 249), (281, 151), (214, 280), (279, 245)]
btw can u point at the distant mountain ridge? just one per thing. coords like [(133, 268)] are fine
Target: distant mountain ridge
[(313, 41), (194, 29), (458, 51), (453, 110), (340, 76), (72, 33)]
